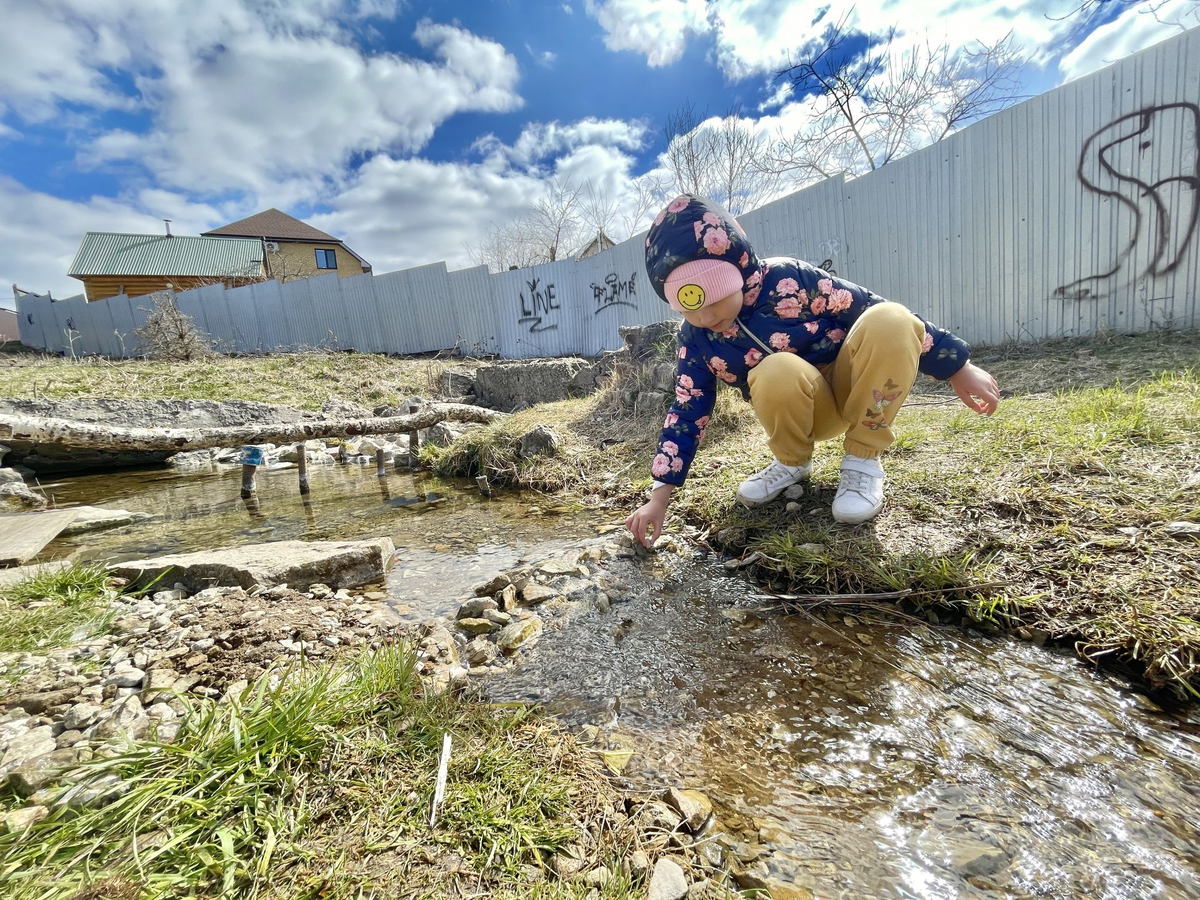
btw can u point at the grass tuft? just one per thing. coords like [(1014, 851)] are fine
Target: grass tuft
[(319, 787), (44, 610)]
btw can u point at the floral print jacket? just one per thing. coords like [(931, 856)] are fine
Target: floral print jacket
[(789, 305)]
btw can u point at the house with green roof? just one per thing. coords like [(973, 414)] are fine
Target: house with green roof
[(110, 263)]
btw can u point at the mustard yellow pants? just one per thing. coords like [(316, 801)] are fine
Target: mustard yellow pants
[(858, 394)]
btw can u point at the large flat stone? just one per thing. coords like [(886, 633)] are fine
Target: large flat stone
[(297, 564), (95, 518)]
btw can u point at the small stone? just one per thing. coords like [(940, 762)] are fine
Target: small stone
[(508, 597), (534, 594), (497, 618), (598, 877), (481, 652), (330, 640), (41, 771), (639, 865), (161, 711), (35, 704), (476, 607), (167, 731), (126, 677), (33, 743), (320, 591), (795, 492), (977, 858), (68, 739), (512, 637), (127, 719), (476, 626), (20, 820), (694, 806), (793, 508), (668, 882), (494, 586), (540, 441), (568, 862)]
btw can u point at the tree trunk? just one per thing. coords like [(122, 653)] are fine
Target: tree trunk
[(70, 433)]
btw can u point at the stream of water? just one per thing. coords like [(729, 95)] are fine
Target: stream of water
[(860, 758)]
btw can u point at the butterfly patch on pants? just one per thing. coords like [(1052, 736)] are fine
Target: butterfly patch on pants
[(888, 396), (874, 420)]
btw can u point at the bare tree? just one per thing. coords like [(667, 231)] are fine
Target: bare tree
[(1179, 17), (555, 220), (648, 194), (170, 333), (873, 108), (598, 212), (724, 159)]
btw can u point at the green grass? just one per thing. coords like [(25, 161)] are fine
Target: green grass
[(43, 611), (321, 787), (1058, 502)]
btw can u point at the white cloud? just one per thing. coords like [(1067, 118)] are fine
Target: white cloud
[(40, 243), (268, 98), (1135, 29), (566, 7), (657, 29), (539, 141), (760, 36)]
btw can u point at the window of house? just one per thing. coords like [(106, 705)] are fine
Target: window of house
[(326, 259)]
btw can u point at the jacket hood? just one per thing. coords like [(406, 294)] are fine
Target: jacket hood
[(692, 228)]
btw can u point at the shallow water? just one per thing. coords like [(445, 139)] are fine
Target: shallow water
[(886, 759), (858, 758), (448, 538)]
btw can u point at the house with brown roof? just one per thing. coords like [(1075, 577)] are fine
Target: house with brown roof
[(294, 249)]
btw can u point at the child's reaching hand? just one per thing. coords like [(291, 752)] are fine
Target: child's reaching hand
[(650, 515), (976, 388)]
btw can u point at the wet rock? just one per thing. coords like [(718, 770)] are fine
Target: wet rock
[(540, 441), (512, 637), (20, 820), (477, 626), (754, 876), (41, 771), (533, 594), (693, 806), (507, 598), (126, 719), (497, 618), (298, 564), (576, 589), (976, 858), (16, 496), (497, 584), (26, 746), (668, 881), (475, 608), (481, 652), (94, 518)]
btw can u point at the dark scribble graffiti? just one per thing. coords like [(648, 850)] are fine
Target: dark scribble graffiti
[(1160, 189), (538, 301), (615, 292)]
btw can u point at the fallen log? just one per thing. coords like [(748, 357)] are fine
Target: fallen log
[(71, 433)]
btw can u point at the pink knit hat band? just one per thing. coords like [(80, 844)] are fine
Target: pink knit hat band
[(700, 283)]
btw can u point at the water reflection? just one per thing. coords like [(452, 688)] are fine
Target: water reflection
[(881, 759)]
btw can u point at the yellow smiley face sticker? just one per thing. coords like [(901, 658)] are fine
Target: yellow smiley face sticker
[(691, 297)]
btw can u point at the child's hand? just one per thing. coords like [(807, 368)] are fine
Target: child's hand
[(976, 388), (650, 515)]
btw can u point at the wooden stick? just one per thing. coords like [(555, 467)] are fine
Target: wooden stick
[(379, 471), (414, 439), (71, 433), (439, 790), (302, 465)]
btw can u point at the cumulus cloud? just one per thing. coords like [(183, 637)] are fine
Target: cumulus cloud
[(245, 96), (756, 37), (40, 243), (1135, 29)]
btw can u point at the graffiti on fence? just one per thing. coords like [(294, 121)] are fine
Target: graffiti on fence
[(615, 292), (538, 302), (1134, 161)]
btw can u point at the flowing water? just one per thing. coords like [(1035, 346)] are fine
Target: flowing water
[(880, 759), (860, 758)]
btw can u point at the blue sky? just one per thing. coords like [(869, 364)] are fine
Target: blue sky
[(406, 128)]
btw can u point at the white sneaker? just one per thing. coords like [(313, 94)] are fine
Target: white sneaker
[(765, 486), (860, 494)]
